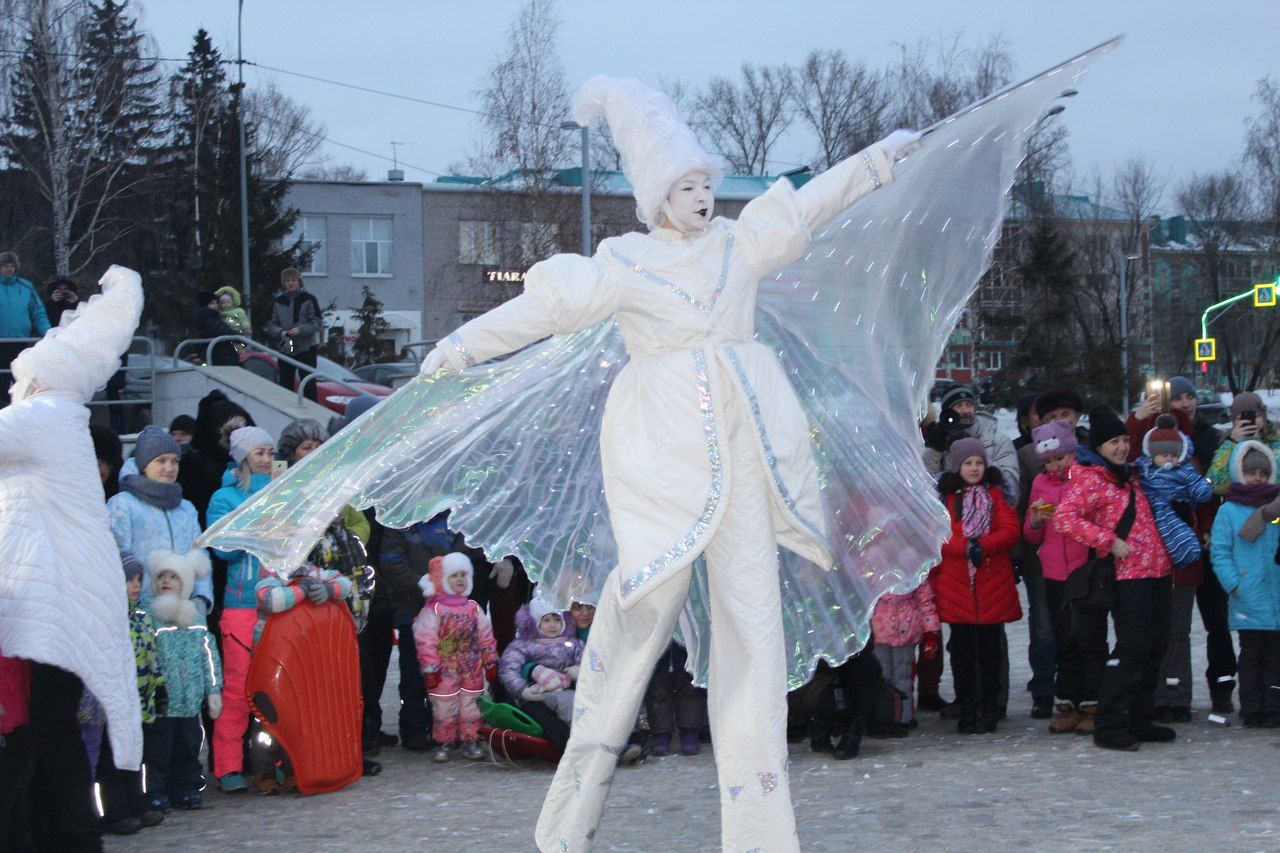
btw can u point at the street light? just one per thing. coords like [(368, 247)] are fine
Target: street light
[(1124, 323), (244, 176), (586, 183)]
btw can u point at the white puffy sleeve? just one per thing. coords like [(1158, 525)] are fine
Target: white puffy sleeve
[(775, 228), (20, 428), (564, 293)]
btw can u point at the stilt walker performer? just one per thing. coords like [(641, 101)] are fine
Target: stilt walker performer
[(753, 383)]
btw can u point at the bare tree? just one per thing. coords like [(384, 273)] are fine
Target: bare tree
[(842, 102), (936, 76), (333, 172), (743, 119), (286, 134)]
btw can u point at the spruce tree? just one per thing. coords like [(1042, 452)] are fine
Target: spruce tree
[(373, 325), (1045, 353)]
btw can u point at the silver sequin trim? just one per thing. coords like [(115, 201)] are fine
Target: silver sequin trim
[(705, 307), (871, 171), (593, 657), (769, 456), (699, 528), (768, 781), (614, 750), (460, 347)]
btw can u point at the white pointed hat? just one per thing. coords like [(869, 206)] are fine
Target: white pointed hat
[(83, 351), (657, 148)]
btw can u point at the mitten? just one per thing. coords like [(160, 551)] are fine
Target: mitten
[(432, 680), (975, 552), (936, 437), (215, 705), (502, 572), (491, 673), (929, 646), (317, 593), (572, 673), (899, 144), (543, 675), (532, 693)]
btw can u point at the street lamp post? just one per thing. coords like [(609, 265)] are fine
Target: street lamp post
[(1124, 324), (244, 175), (586, 183)]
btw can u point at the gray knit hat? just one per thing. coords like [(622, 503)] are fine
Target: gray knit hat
[(1247, 401), (295, 433), (246, 439), (9, 258), (153, 441), (131, 563)]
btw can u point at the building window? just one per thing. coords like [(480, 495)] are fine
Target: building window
[(310, 230), (995, 360), (478, 243), (371, 246), (538, 240)]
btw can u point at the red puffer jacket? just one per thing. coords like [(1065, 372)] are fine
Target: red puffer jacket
[(993, 597)]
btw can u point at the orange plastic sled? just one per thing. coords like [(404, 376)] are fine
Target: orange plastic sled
[(304, 685), (518, 746)]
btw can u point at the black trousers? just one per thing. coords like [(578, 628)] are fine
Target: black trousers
[(1260, 672), (375, 657), (554, 729), (171, 751), (1080, 640), (978, 656), (63, 816), (1127, 699), (415, 710), (121, 790), (288, 372), (1211, 600), (17, 767), (673, 702)]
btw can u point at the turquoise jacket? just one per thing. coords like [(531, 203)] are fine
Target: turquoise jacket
[(242, 567), (21, 310), (1247, 570), (191, 666)]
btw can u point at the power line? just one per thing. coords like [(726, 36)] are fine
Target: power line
[(327, 139), (367, 89)]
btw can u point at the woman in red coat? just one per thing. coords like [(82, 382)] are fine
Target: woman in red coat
[(974, 585)]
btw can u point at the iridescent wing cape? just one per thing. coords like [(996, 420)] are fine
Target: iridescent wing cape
[(859, 324)]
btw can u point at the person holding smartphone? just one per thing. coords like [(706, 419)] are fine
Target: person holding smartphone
[(1249, 422)]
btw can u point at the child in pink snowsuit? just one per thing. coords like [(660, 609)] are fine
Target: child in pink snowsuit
[(457, 653), (901, 623)]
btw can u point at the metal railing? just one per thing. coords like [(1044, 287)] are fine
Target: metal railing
[(150, 353), (412, 349), (311, 374)]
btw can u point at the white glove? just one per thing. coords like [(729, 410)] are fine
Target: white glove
[(434, 363), (899, 144), (572, 672), (532, 693), (502, 572), (215, 705)]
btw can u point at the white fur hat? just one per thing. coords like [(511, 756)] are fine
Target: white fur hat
[(657, 148), (83, 351), (178, 608), (246, 439), (436, 578), (539, 608)]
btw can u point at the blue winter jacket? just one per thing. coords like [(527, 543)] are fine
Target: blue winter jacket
[(21, 311), (242, 567), (1182, 484), (191, 666), (142, 528), (1247, 570)]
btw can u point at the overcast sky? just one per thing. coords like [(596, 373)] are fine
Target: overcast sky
[(1176, 91)]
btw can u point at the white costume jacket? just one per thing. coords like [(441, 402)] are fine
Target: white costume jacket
[(685, 305)]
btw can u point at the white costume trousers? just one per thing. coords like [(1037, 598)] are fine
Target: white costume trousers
[(747, 683)]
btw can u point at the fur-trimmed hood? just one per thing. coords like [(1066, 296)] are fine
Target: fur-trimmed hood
[(1236, 464), (177, 609), (229, 291), (527, 625)]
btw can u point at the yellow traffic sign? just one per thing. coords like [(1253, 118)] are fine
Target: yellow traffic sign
[(1264, 295), (1206, 349)]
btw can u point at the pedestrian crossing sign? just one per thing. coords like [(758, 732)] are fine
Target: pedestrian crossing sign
[(1206, 349), (1264, 295)]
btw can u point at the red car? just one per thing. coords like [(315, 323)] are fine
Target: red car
[(329, 394)]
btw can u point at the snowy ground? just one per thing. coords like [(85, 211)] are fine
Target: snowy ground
[(1214, 788)]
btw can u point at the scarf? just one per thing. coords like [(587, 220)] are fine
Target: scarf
[(164, 496), (1258, 494), (975, 517)]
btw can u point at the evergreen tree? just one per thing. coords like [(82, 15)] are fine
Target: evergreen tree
[(373, 325), (1045, 355)]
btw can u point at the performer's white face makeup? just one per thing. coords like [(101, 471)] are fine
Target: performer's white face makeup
[(457, 583), (972, 469), (691, 202)]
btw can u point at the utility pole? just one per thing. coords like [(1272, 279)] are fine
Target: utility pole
[(1124, 326), (244, 174), (586, 183)]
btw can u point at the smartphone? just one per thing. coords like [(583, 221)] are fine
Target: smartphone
[(1248, 416), (1160, 390), (278, 467)]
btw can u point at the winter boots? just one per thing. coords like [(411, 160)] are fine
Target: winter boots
[(851, 743), (1220, 694), (968, 720), (1069, 717), (1088, 715), (690, 744)]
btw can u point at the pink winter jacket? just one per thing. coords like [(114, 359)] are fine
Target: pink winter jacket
[(455, 639), (15, 692), (1059, 556), (902, 620)]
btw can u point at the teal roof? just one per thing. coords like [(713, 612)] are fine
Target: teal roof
[(615, 183)]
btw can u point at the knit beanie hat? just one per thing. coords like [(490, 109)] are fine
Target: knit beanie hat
[(9, 258), (962, 450), (1163, 438), (295, 433), (106, 444), (539, 608), (131, 563), (1054, 439), (1180, 385), (153, 441), (1104, 425), (1246, 401), (185, 423), (1058, 398), (955, 395), (204, 297), (245, 439)]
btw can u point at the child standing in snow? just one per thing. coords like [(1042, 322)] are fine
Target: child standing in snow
[(1245, 545), (457, 653), (1168, 476), (900, 624)]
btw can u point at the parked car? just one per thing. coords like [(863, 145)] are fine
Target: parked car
[(331, 395), (1209, 406), (392, 374)]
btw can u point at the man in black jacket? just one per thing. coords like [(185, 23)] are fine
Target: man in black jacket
[(295, 327)]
